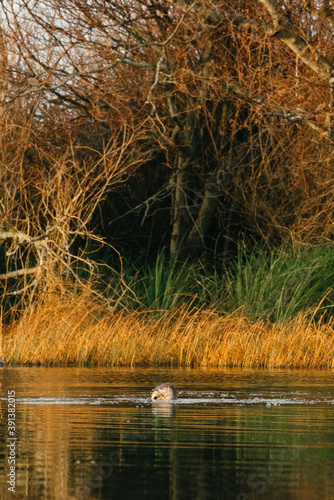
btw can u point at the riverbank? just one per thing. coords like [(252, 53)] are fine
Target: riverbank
[(263, 309), (78, 332)]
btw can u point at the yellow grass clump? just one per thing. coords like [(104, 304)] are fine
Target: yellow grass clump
[(80, 332)]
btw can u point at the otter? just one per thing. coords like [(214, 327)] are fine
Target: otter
[(164, 392)]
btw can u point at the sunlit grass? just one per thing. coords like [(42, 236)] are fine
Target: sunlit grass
[(80, 332)]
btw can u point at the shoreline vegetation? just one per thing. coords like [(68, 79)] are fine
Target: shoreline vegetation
[(268, 310), (196, 340)]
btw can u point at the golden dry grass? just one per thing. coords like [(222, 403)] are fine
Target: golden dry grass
[(79, 332)]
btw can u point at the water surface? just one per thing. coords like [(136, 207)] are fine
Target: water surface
[(93, 433)]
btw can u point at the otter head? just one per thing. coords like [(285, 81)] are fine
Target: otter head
[(164, 392)]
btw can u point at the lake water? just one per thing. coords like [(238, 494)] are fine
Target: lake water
[(94, 434)]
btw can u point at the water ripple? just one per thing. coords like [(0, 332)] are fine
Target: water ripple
[(136, 401)]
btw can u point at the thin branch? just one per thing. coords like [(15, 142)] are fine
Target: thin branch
[(22, 290), (19, 272), (149, 201)]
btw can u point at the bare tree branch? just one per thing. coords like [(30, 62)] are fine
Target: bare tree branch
[(285, 31)]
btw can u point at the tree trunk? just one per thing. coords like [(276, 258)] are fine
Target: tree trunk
[(178, 208), (195, 241)]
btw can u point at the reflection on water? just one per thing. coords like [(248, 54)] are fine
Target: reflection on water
[(163, 409), (94, 433)]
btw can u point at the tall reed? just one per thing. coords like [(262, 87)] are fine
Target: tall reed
[(280, 284), (275, 285), (78, 332)]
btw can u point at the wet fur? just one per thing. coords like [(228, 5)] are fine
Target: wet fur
[(164, 392)]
